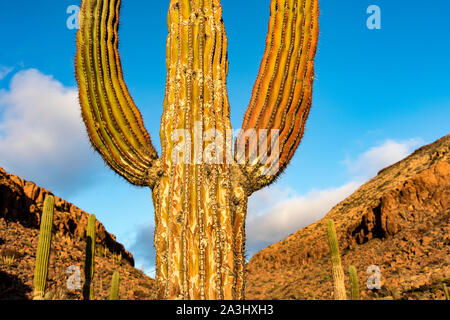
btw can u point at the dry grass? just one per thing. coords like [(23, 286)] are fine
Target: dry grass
[(7, 260)]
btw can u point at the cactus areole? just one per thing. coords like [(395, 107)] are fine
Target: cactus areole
[(200, 184)]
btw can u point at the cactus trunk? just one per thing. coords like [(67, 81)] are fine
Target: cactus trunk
[(199, 187), (43, 250), (200, 251), (199, 230)]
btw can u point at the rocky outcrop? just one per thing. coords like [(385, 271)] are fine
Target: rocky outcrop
[(22, 201), (398, 221)]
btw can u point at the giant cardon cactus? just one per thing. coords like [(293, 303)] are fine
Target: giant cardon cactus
[(199, 186)]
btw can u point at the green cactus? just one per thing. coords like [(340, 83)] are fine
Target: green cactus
[(49, 296), (117, 258), (447, 296), (90, 258), (105, 251), (114, 291), (338, 273), (43, 250), (354, 283)]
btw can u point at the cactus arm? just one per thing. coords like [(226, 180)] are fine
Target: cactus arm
[(282, 94), (114, 123), (43, 251)]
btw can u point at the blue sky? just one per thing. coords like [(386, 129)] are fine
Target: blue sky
[(378, 95)]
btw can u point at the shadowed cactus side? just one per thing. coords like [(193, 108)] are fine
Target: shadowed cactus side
[(43, 250), (338, 272), (354, 283), (88, 290), (114, 291)]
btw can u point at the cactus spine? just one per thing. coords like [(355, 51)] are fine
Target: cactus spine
[(114, 291), (199, 188), (338, 272), (43, 250), (354, 283), (90, 258)]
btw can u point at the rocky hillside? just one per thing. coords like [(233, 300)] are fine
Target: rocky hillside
[(21, 205), (398, 221)]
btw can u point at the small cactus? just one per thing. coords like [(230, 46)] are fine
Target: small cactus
[(117, 258), (43, 250), (49, 296), (90, 258), (7, 260), (338, 273), (447, 296), (105, 251), (354, 283), (114, 291)]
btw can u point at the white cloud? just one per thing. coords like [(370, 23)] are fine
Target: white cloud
[(143, 248), (275, 213), (4, 71), (367, 164), (42, 137), (288, 214)]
